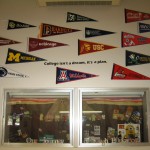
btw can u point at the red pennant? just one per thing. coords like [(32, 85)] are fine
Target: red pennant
[(132, 16), (4, 41), (37, 44), (133, 40), (122, 73), (85, 47)]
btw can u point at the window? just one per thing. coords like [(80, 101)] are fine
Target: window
[(38, 116), (111, 116)]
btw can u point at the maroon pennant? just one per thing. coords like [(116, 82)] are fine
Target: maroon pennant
[(122, 73), (128, 39), (4, 41), (38, 44), (132, 16)]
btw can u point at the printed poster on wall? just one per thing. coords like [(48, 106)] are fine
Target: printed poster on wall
[(39, 44), (17, 25), (122, 73), (90, 32), (15, 56), (128, 39), (133, 16), (67, 75), (133, 58), (85, 47), (8, 73), (72, 17), (51, 30), (4, 41), (143, 27)]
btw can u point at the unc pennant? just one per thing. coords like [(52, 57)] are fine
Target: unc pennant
[(72, 17), (8, 73), (4, 41), (122, 73), (133, 58), (85, 47), (51, 30), (38, 44), (15, 56), (90, 32), (128, 39), (133, 16), (143, 27), (66, 75), (17, 25)]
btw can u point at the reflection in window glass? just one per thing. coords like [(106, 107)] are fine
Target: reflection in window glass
[(113, 119), (36, 118)]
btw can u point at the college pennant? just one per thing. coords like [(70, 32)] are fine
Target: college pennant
[(90, 32), (143, 27), (122, 73), (51, 30), (15, 56), (72, 17), (17, 25), (128, 39), (8, 73), (38, 44), (132, 16), (66, 75), (85, 47), (133, 58), (4, 41)]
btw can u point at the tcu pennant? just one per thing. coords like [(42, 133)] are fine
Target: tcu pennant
[(66, 75), (51, 30), (128, 39), (85, 47), (122, 73), (132, 16)]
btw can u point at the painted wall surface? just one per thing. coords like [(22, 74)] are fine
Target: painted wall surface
[(40, 75)]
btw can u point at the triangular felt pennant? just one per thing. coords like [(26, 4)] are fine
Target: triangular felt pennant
[(90, 32), (85, 47), (8, 73), (38, 44), (14, 56), (17, 25), (128, 39), (133, 16), (122, 73), (133, 58), (143, 27), (66, 75), (51, 30), (4, 41), (72, 17)]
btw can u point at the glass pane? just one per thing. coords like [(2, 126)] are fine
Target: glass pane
[(113, 119), (37, 118)]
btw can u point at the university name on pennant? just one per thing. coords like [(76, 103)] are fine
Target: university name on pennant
[(8, 73), (128, 39), (51, 30), (38, 44), (85, 47), (17, 25), (15, 56), (90, 32), (4, 41), (133, 16), (122, 73), (66, 75), (143, 27), (72, 17), (133, 58)]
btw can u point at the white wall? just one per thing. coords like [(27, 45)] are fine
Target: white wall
[(109, 18)]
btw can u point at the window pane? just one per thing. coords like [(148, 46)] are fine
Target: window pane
[(37, 117)]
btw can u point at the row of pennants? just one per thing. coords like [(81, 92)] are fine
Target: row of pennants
[(84, 47)]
